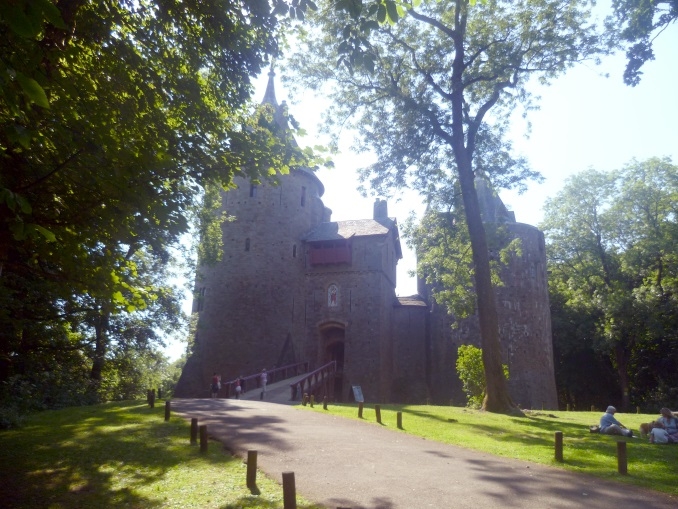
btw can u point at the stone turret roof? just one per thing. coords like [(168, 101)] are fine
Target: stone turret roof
[(269, 96), (280, 116)]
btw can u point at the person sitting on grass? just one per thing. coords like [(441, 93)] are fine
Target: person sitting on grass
[(658, 434), (670, 424), (611, 426)]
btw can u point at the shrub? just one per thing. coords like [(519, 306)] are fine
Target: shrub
[(471, 372)]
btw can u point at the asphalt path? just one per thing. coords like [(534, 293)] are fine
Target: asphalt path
[(340, 462)]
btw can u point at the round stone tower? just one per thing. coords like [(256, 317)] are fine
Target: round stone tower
[(523, 313), (250, 305)]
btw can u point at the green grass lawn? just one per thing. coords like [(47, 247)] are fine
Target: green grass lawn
[(122, 455), (533, 439), (126, 455)]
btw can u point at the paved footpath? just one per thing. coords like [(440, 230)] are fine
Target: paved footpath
[(340, 462)]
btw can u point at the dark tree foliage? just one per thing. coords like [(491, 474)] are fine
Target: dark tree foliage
[(574, 336), (114, 116), (613, 280), (642, 21)]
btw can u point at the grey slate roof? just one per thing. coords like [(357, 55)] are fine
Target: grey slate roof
[(412, 300), (337, 230)]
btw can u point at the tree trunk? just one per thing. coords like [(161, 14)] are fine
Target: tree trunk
[(100, 348), (621, 358), (497, 397)]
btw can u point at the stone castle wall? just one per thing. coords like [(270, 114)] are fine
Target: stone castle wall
[(251, 303), (265, 304)]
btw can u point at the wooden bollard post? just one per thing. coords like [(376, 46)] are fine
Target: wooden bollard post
[(251, 469), (637, 409), (325, 403), (312, 400), (593, 408), (621, 457), (568, 407), (559, 446), (159, 393), (360, 410), (167, 410), (377, 409), (203, 438), (194, 430), (304, 400), (399, 419), (289, 491)]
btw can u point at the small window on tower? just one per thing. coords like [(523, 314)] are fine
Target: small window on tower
[(247, 244), (201, 299), (253, 191), (303, 196)]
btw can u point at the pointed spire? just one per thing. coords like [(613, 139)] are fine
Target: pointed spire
[(269, 96)]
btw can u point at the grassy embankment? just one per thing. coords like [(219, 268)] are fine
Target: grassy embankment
[(122, 455), (125, 455), (533, 439)]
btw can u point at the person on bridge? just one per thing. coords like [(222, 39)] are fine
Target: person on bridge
[(216, 385), (238, 388), (264, 381)]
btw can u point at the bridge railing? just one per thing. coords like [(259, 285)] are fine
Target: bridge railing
[(319, 382), (250, 382)]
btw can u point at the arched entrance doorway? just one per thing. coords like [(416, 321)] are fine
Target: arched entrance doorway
[(333, 350)]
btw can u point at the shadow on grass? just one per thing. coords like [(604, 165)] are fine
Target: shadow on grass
[(69, 470), (100, 457), (257, 503)]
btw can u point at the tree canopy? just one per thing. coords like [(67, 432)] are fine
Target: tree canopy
[(431, 95), (611, 247), (641, 22), (114, 116)]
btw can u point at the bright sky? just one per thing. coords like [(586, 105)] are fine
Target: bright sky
[(585, 120)]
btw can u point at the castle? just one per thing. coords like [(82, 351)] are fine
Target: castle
[(295, 286)]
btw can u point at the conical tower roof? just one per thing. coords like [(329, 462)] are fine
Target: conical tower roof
[(269, 96)]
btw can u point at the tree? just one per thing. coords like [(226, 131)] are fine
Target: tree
[(641, 22), (611, 249), (114, 116), (432, 91)]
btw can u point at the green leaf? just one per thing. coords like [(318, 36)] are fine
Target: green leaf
[(392, 10), (118, 297), (33, 90), (19, 134), (48, 235), (368, 63), (21, 24), (381, 13), (23, 204), (51, 13)]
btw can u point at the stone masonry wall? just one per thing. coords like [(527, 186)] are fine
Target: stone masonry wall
[(250, 315)]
